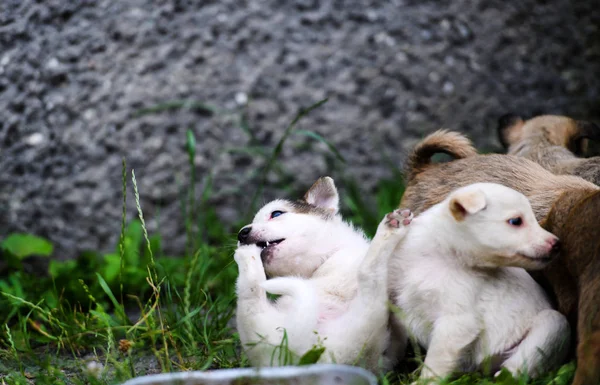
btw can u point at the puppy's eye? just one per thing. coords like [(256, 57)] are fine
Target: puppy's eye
[(275, 214), (515, 221)]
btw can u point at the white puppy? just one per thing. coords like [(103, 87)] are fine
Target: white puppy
[(333, 285), (457, 278)]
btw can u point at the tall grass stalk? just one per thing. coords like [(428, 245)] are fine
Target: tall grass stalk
[(187, 292), (13, 348), (202, 219), (191, 209), (143, 223), (152, 271)]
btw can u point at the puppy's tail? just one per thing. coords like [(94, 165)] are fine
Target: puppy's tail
[(452, 143)]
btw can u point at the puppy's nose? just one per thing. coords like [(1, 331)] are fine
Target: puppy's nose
[(554, 244), (244, 233)]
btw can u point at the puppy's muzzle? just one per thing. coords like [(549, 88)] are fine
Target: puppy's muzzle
[(244, 234), (554, 245)]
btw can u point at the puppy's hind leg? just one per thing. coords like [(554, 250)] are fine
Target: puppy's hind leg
[(452, 336), (545, 346)]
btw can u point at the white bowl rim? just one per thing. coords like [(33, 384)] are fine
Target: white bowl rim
[(280, 372)]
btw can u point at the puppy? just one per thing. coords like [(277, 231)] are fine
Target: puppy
[(551, 196), (459, 283), (333, 284), (552, 141), (574, 277), (574, 281)]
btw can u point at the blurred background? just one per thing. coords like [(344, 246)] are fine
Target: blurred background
[(196, 95)]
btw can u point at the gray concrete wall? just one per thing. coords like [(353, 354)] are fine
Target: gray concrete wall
[(74, 75)]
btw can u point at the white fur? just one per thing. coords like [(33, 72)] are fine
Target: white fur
[(462, 292), (333, 285)]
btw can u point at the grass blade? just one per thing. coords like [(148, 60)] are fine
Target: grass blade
[(312, 356), (118, 307), (314, 135)]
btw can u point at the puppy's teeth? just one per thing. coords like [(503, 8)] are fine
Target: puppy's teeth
[(267, 243)]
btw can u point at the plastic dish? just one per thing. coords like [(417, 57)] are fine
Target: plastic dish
[(320, 374)]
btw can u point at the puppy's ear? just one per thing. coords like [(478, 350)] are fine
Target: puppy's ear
[(323, 194), (467, 203), (509, 129), (588, 130), (585, 130)]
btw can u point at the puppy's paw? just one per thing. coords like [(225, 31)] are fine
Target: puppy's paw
[(247, 254), (398, 218), (394, 225)]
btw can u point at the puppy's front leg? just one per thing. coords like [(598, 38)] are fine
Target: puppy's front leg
[(251, 275), (257, 320), (451, 337)]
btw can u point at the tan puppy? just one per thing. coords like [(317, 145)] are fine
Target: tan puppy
[(552, 141), (574, 276), (565, 205)]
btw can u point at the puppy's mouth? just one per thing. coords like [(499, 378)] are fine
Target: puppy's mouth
[(267, 249), (265, 244), (540, 259)]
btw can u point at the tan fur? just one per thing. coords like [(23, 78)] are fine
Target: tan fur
[(565, 204), (441, 141), (574, 276), (550, 141), (433, 183)]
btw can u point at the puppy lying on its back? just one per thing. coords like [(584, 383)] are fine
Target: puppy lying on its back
[(552, 141), (457, 278), (333, 284)]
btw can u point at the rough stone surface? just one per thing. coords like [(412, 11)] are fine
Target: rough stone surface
[(75, 74)]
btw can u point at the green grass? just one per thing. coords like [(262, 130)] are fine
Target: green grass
[(105, 318)]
